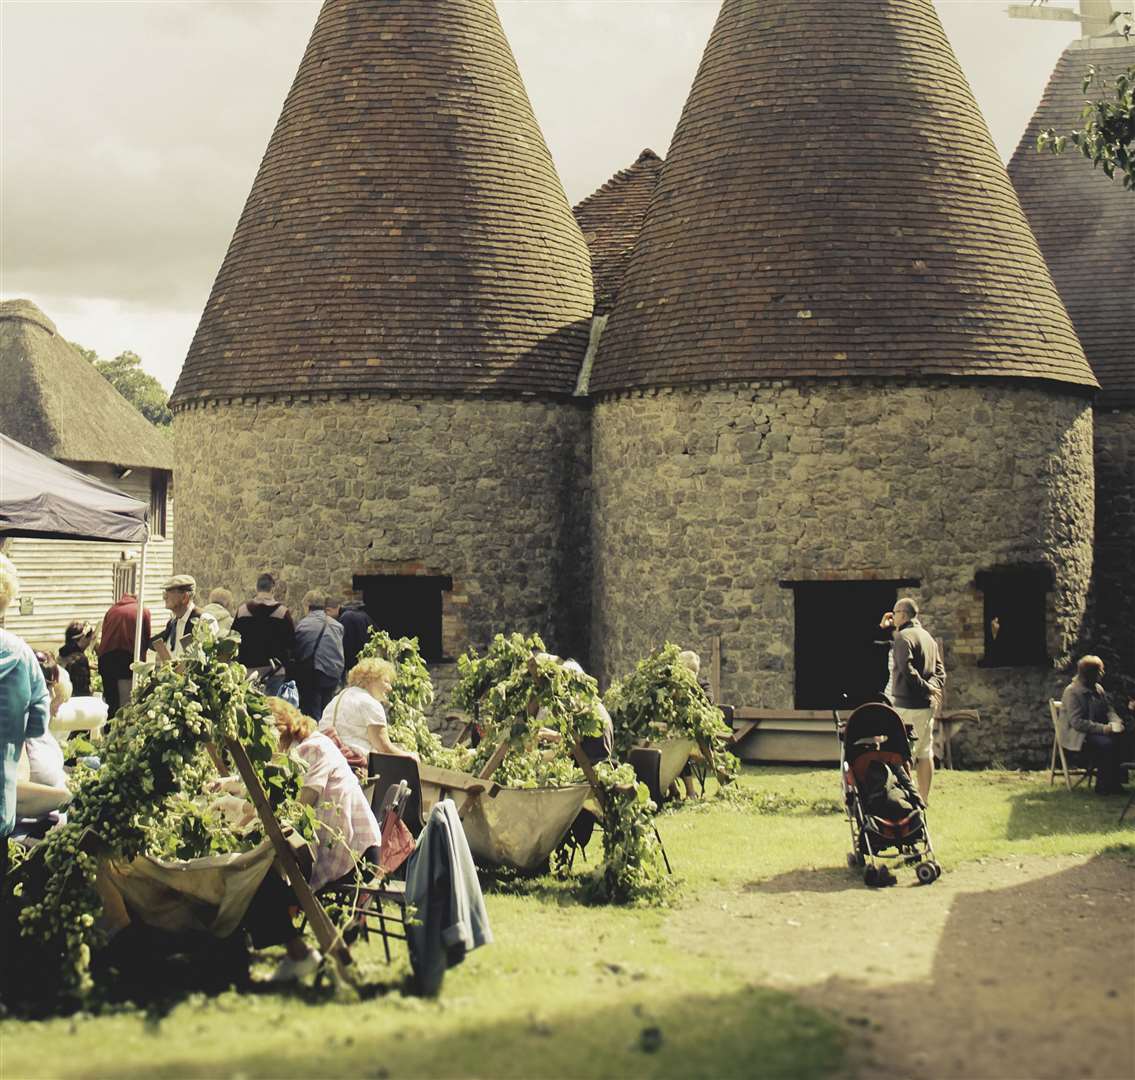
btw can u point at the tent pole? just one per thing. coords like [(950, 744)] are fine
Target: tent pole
[(138, 613)]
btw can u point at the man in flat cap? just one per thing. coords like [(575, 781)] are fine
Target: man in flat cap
[(184, 615)]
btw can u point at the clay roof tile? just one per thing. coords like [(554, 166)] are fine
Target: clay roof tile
[(1084, 222), (406, 231), (832, 203)]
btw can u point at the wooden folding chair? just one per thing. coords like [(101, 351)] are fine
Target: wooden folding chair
[(1082, 772), (368, 899)]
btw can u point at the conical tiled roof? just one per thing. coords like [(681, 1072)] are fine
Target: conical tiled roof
[(407, 229), (832, 204), (56, 402), (1084, 222), (611, 219)]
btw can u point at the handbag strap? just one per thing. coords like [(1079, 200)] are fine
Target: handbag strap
[(319, 638)]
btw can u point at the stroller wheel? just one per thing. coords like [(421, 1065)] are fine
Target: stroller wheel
[(927, 873), (855, 860), (871, 877), (886, 876)]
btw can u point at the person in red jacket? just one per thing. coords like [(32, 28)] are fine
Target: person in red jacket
[(116, 649)]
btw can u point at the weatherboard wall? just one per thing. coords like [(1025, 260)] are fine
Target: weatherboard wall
[(74, 579)]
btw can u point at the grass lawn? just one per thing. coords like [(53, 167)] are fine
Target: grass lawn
[(569, 990)]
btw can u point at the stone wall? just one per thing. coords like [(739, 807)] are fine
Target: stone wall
[(490, 492), (1113, 586), (705, 500)]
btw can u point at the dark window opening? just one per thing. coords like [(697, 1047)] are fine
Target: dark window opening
[(1015, 615), (125, 579), (159, 489), (841, 654), (406, 605)]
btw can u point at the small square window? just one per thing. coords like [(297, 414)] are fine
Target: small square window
[(1015, 606), (125, 579), (407, 605)]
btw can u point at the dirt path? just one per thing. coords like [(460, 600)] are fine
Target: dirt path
[(1001, 969)]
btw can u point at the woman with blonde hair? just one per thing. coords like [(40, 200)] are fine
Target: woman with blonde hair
[(355, 716), (346, 832)]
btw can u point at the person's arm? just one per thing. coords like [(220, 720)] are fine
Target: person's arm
[(1076, 712), (377, 737), (39, 699)]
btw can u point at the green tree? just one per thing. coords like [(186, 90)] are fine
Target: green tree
[(139, 387), (1107, 135)]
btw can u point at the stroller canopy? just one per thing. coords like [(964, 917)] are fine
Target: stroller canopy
[(875, 721)]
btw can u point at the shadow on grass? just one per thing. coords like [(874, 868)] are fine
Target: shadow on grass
[(1036, 979), (828, 879), (754, 1031), (1056, 811)]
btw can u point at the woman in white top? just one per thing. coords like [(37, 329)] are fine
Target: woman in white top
[(356, 715)]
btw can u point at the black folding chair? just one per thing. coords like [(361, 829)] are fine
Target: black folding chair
[(389, 769)]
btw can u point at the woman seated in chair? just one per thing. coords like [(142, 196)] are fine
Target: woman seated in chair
[(346, 832), (355, 718)]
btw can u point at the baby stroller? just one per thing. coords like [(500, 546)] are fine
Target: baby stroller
[(884, 810)]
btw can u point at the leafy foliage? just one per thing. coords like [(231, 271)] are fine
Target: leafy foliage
[(662, 698), (519, 690), (153, 766), (139, 387), (632, 871), (1107, 135), (411, 693)]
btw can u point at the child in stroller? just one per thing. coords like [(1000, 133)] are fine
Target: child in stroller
[(885, 813)]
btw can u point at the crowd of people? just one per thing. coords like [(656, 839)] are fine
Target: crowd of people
[(343, 721), (328, 708)]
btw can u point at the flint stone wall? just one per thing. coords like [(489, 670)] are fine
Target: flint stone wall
[(491, 492), (704, 500), (1113, 586)]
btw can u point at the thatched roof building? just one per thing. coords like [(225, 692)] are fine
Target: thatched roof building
[(56, 402)]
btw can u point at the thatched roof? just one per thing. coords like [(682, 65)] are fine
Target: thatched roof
[(406, 230), (832, 205), (1084, 222), (57, 403)]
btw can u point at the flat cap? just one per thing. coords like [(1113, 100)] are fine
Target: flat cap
[(181, 581)]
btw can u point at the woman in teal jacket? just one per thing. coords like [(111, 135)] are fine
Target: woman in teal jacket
[(24, 705)]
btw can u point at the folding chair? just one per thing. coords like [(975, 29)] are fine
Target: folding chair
[(389, 769), (1079, 767), (367, 899)]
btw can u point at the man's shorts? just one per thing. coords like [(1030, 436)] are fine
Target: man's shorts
[(922, 720)]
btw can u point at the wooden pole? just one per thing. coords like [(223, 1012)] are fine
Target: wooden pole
[(328, 937), (486, 773), (715, 669)]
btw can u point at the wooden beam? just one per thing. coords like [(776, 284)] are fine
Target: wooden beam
[(328, 937), (1033, 11), (486, 773), (715, 669)]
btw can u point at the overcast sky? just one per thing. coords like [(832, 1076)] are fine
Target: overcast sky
[(131, 132)]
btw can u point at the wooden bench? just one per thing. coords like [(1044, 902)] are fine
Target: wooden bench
[(785, 735)]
